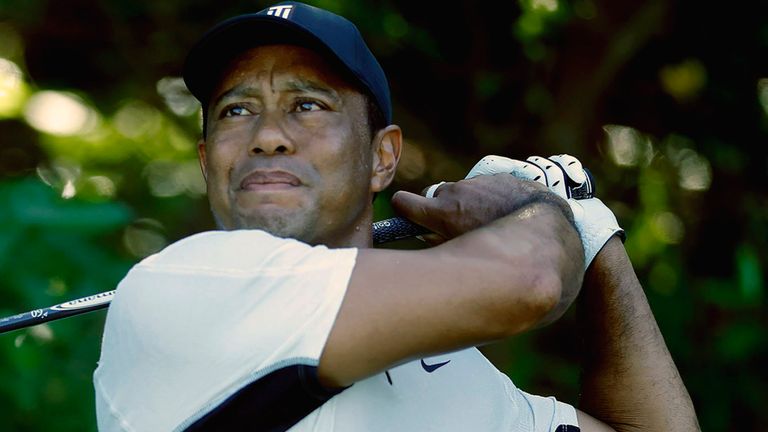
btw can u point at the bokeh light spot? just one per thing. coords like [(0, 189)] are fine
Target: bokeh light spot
[(695, 171), (59, 113), (395, 25), (169, 179), (56, 286), (60, 175), (177, 97), (545, 5), (136, 119), (685, 80), (103, 185), (668, 227), (12, 88), (762, 93), (42, 332), (144, 238), (530, 25), (626, 146), (69, 190), (663, 278)]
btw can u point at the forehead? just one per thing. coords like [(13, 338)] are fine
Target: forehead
[(282, 62)]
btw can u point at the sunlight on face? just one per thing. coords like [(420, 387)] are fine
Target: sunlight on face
[(288, 149)]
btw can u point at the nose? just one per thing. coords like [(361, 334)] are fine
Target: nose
[(270, 137)]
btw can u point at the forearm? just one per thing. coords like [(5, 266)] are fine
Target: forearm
[(536, 243), (630, 380), (524, 230), (488, 284)]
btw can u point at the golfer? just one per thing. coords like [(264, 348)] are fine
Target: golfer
[(286, 319)]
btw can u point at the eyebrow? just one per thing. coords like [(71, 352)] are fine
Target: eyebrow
[(239, 91), (306, 86), (292, 86)]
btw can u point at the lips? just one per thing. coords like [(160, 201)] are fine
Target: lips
[(269, 179)]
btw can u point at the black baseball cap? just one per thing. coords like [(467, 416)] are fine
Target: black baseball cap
[(290, 23)]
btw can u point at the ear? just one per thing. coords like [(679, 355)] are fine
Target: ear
[(201, 157), (387, 146)]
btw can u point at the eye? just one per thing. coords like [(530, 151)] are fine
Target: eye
[(307, 106), (235, 111)]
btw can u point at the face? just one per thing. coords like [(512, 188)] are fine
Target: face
[(288, 148)]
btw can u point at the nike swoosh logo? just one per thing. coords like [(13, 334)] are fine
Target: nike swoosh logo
[(433, 367)]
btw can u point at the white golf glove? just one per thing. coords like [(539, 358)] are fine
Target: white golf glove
[(563, 175), (595, 222)]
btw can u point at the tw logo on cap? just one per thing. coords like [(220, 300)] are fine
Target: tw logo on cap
[(280, 11)]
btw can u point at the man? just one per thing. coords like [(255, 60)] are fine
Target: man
[(286, 319)]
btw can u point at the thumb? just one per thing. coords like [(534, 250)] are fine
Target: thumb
[(417, 209)]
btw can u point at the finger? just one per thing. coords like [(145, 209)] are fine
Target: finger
[(572, 168), (431, 191), (432, 239), (492, 164), (555, 177), (530, 171), (418, 209)]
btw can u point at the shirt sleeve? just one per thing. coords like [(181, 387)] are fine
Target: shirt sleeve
[(209, 315), (538, 413), (551, 415)]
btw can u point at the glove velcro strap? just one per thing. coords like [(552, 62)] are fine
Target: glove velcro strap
[(596, 224)]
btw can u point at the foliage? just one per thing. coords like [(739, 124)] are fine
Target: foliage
[(664, 101), (51, 251)]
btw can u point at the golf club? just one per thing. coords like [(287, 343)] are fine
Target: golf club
[(384, 231)]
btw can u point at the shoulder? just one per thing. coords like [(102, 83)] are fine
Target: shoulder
[(213, 246), (236, 265), (274, 299), (240, 250)]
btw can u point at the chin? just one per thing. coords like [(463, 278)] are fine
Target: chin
[(278, 222)]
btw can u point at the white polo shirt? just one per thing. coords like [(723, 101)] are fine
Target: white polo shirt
[(224, 331)]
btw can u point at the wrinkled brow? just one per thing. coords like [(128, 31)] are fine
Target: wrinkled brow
[(292, 85), (237, 92), (306, 86)]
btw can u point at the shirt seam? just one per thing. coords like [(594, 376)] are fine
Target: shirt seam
[(122, 423), (206, 270)]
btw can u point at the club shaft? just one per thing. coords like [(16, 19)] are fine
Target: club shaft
[(384, 231), (63, 310)]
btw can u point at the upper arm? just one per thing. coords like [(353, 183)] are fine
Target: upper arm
[(587, 423), (400, 305)]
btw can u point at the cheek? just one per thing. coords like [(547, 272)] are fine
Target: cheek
[(220, 163), (346, 169), (344, 153)]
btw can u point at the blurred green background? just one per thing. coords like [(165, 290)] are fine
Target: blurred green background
[(666, 102)]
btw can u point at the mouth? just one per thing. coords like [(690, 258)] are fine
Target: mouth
[(269, 180)]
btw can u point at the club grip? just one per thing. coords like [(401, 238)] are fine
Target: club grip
[(396, 228), (586, 190), (384, 231)]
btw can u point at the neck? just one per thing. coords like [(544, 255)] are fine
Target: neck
[(360, 234)]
